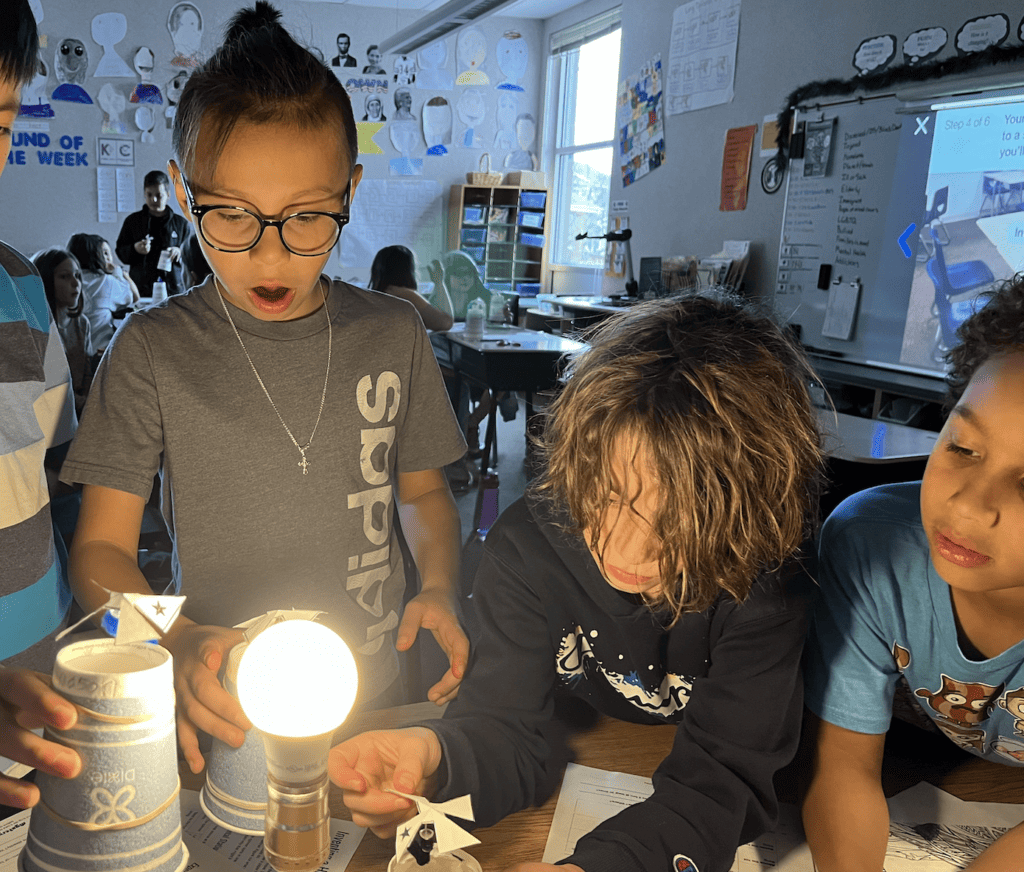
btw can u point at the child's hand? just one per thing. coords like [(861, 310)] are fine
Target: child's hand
[(436, 273), (432, 610), (202, 702), (175, 253), (26, 703), (364, 766)]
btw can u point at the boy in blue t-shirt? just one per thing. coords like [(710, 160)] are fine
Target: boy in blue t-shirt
[(36, 412), (923, 600)]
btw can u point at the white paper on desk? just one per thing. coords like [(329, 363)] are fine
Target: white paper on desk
[(13, 835), (215, 849), (930, 830)]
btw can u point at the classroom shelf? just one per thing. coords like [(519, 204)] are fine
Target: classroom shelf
[(509, 223)]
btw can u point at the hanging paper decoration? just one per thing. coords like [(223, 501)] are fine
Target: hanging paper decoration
[(113, 103), (71, 62), (471, 52), (432, 61), (513, 57), (405, 70), (34, 101), (145, 91), (185, 24), (471, 109), (437, 125), (108, 29)]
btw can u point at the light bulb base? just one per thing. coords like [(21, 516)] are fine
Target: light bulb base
[(297, 837)]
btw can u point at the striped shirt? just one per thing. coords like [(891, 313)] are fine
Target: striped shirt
[(36, 412)]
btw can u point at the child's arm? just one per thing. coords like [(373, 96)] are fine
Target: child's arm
[(845, 815), (433, 318), (430, 523), (105, 552)]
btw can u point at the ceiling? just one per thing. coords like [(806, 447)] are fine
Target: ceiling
[(519, 9)]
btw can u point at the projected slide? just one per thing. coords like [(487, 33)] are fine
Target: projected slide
[(971, 234)]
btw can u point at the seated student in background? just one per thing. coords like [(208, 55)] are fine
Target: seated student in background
[(152, 240), (394, 272), (36, 413), (922, 604), (653, 571), (62, 283), (462, 280), (106, 291)]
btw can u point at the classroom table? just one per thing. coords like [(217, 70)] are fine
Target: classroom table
[(506, 358), (912, 755), (868, 440)]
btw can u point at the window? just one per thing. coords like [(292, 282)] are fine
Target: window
[(584, 70)]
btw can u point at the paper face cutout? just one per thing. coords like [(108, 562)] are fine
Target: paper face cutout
[(145, 120), (513, 56), (471, 52), (471, 109), (145, 91), (34, 101), (113, 103), (185, 24), (405, 70), (432, 61), (508, 112), (71, 62), (523, 158), (437, 125), (174, 88), (108, 29), (374, 105)]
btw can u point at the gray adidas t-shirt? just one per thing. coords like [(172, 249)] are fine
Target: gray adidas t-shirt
[(175, 395)]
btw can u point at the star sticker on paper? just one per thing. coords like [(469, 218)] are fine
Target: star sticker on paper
[(131, 613), (450, 836)]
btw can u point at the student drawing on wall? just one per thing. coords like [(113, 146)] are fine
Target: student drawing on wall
[(513, 56), (522, 158), (373, 66), (113, 103), (432, 61), (471, 109), (374, 108), (108, 29), (437, 125), (174, 88), (508, 111), (405, 70), (185, 24), (343, 58), (34, 102), (405, 137), (403, 105), (145, 91), (71, 61), (471, 52), (145, 120)]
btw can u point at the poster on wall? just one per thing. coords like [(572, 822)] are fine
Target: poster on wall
[(393, 212), (638, 113), (702, 54)]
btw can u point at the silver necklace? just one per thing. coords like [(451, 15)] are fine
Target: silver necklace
[(323, 396)]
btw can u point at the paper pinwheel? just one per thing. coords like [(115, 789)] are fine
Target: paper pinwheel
[(450, 836), (138, 618)]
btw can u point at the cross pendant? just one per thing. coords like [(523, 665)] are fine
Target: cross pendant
[(303, 463)]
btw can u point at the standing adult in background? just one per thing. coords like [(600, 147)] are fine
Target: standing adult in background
[(151, 240), (37, 413), (394, 272), (343, 58)]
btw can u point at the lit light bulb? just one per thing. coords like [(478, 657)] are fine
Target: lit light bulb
[(296, 682)]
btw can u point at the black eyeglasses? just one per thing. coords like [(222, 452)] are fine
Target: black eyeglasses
[(234, 229)]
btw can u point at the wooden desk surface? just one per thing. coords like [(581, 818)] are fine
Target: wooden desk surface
[(605, 743), (866, 440)]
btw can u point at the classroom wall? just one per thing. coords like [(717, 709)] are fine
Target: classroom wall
[(54, 193), (674, 210)]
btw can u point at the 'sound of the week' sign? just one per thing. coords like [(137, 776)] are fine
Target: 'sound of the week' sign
[(69, 153)]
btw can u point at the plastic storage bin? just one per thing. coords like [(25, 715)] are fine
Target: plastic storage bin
[(473, 215), (472, 234), (531, 219), (475, 251), (532, 199), (527, 289), (535, 239)]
